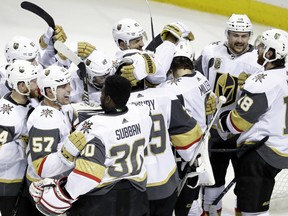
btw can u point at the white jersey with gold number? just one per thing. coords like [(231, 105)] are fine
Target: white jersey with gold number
[(13, 161), (172, 125), (115, 150), (48, 127), (263, 111)]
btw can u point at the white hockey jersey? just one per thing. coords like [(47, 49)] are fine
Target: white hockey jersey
[(13, 161), (146, 61), (223, 68), (172, 125), (48, 127), (262, 111), (114, 151), (192, 90), (4, 88)]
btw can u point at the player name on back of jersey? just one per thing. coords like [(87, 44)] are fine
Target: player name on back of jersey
[(150, 103), (128, 131), (204, 88)]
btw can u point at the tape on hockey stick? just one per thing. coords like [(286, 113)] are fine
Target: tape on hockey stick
[(63, 49), (38, 11)]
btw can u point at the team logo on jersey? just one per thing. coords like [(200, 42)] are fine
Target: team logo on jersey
[(6, 108), (174, 81), (217, 63), (259, 77), (227, 86), (86, 126), (46, 112)]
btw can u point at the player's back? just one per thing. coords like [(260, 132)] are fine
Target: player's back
[(170, 122)]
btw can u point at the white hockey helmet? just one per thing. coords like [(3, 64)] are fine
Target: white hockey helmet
[(20, 48), (276, 39), (98, 65), (52, 77), (239, 23), (186, 49), (21, 71), (127, 29)]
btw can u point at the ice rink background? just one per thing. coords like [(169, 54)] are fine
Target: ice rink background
[(92, 21)]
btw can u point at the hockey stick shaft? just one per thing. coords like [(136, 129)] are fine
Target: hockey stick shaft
[(206, 133), (63, 49), (222, 100)]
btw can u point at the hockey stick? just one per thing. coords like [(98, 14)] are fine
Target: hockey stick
[(202, 144), (38, 11), (213, 206), (63, 49), (152, 26), (19, 194)]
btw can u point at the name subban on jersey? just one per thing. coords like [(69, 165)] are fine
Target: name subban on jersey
[(128, 131)]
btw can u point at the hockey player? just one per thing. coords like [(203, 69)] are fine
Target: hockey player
[(109, 174), (193, 89), (18, 48), (222, 63), (172, 125), (262, 104), (14, 110), (49, 124), (128, 35), (98, 68)]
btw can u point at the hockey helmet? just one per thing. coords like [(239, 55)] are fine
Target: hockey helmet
[(21, 71), (20, 48), (239, 23), (52, 77), (98, 65), (186, 49), (127, 29), (276, 39)]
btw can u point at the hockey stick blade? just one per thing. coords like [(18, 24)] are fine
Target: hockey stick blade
[(38, 11), (62, 48)]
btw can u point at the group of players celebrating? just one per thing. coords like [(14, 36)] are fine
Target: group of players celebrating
[(126, 151)]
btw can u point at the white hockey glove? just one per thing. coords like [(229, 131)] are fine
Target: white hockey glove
[(72, 146), (53, 200), (85, 49), (52, 35), (211, 104), (242, 78), (178, 30), (36, 188)]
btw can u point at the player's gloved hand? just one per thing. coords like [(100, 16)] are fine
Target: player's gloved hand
[(242, 78), (222, 128), (54, 198), (52, 35), (178, 30), (127, 71), (85, 49), (72, 146), (211, 104), (36, 188)]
